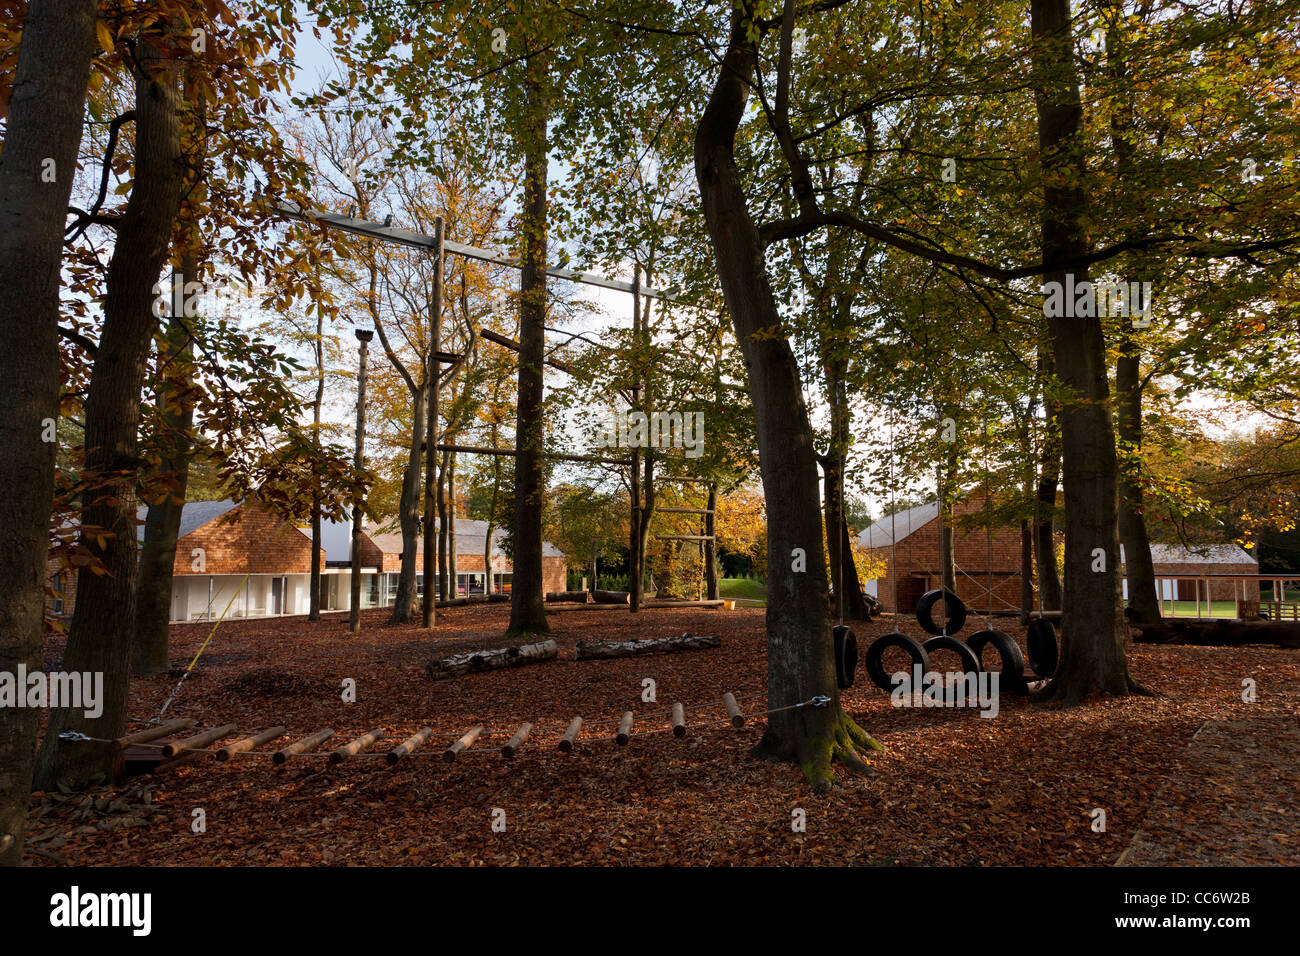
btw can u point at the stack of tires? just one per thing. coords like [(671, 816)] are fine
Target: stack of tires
[(1041, 642)]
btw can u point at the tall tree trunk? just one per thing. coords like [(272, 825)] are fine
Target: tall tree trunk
[(1026, 569), (711, 546), (36, 173), (452, 565), (1092, 642), (849, 599), (313, 608), (1139, 568), (408, 514), (444, 592), (176, 412), (800, 660), (527, 611), (429, 607), (97, 641), (495, 437), (163, 521), (1049, 465)]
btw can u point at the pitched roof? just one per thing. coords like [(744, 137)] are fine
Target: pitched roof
[(469, 538), (194, 515), (902, 523), (1198, 554)]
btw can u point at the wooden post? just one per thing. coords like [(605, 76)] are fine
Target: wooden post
[(198, 741), (570, 735), (460, 746), (625, 729), (304, 745), (153, 733), (248, 743), (354, 748), (354, 612), (411, 742), (635, 573), (517, 740), (679, 720), (428, 612), (733, 709)]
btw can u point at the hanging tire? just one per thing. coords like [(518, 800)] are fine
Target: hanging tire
[(873, 660), (970, 663), (846, 656), (953, 605), (1043, 649), (1013, 661)]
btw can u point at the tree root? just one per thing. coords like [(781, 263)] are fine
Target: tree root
[(847, 745)]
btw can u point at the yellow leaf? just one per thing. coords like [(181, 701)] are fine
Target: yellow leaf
[(105, 36)]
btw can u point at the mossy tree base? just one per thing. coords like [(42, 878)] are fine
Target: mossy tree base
[(816, 739)]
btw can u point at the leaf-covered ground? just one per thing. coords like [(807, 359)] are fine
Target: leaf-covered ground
[(953, 788)]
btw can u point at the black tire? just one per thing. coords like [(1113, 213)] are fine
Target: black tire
[(970, 663), (1043, 649), (1013, 661), (846, 656), (873, 660), (952, 604)]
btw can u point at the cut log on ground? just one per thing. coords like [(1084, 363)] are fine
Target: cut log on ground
[(473, 599), (1219, 633), (568, 597), (603, 650), (716, 602), (611, 597), (472, 662)]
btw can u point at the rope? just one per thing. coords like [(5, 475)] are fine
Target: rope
[(212, 633)]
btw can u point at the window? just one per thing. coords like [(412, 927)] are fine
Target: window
[(56, 604)]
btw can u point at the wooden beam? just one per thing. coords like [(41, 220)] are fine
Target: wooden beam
[(461, 745), (570, 735), (304, 745), (198, 741), (625, 729), (511, 452), (409, 745), (517, 740), (356, 746), (510, 343), (153, 733), (683, 511), (733, 709), (248, 743), (679, 720)]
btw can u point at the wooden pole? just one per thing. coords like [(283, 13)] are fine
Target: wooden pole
[(304, 745), (248, 743), (460, 746), (428, 612), (635, 572), (409, 744), (153, 733), (517, 740), (679, 720), (625, 729), (733, 709), (354, 611), (570, 735), (198, 741), (356, 746)]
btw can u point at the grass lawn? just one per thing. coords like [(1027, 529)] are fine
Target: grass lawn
[(743, 589)]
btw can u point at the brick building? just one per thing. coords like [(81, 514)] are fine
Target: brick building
[(911, 538), (238, 559), (989, 560)]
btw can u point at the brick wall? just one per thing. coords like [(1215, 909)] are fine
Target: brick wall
[(246, 540), (64, 581), (918, 563), (554, 574)]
